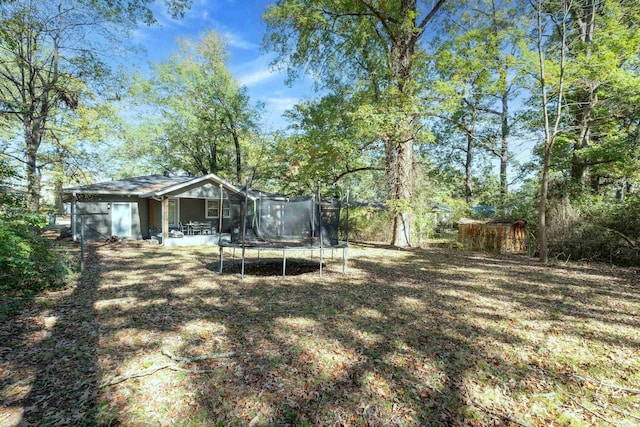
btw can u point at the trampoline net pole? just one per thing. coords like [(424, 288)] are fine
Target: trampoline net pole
[(220, 212)]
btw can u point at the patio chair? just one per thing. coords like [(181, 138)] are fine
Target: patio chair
[(207, 227), (183, 228), (196, 228)]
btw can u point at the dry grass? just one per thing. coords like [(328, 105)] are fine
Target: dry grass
[(417, 337)]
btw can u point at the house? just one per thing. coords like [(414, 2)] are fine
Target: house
[(154, 206)]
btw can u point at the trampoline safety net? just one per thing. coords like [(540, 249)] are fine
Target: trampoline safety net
[(301, 221)]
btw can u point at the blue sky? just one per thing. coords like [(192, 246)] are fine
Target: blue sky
[(240, 23)]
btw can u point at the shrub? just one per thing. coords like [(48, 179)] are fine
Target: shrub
[(366, 224), (27, 262), (593, 228)]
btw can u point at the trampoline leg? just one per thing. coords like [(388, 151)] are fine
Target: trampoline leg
[(284, 262), (320, 261), (344, 260), (242, 273), (221, 261)]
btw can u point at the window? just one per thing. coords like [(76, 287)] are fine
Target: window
[(212, 209)]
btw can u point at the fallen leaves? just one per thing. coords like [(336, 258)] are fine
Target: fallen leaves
[(157, 336)]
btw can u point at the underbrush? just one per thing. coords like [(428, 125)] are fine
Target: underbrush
[(29, 263), (595, 229)]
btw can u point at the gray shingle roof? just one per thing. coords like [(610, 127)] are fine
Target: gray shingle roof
[(130, 186)]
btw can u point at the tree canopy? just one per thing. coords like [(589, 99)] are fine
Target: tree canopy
[(417, 102), (194, 115), (50, 64)]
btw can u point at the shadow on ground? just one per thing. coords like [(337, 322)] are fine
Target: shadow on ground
[(48, 359), (404, 338)]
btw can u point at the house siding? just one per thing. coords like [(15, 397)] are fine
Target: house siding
[(156, 208), (95, 205), (192, 203), (200, 191), (97, 213)]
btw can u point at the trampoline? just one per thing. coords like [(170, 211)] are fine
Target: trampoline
[(265, 222)]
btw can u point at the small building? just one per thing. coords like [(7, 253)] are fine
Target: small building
[(153, 205), (496, 235)]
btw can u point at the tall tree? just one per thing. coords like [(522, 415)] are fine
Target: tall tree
[(374, 48), (603, 42), (48, 54), (476, 62), (551, 79), (204, 122)]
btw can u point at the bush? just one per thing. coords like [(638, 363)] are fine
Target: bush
[(27, 262), (596, 229), (366, 224)]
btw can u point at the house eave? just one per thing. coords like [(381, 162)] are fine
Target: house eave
[(69, 194)]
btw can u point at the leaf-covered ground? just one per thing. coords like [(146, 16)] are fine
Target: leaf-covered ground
[(156, 336)]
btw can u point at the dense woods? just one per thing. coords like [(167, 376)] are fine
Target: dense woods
[(527, 107)]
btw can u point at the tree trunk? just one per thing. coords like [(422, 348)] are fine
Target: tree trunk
[(504, 144), (236, 142), (586, 103), (542, 208), (550, 131), (58, 183), (468, 171), (33, 136), (400, 179), (587, 98), (33, 181), (399, 145)]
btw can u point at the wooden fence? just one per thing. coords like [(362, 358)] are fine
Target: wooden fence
[(498, 235)]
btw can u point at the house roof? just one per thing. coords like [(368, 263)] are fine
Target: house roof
[(129, 186), (149, 185)]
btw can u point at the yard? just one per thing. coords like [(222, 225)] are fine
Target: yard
[(155, 336)]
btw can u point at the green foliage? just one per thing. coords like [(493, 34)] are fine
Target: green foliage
[(325, 144), (372, 51), (27, 262), (366, 224), (195, 116), (596, 228)]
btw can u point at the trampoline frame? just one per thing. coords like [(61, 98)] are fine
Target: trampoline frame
[(285, 249)]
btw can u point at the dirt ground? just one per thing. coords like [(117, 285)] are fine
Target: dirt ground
[(156, 336)]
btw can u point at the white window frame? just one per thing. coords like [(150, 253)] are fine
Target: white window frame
[(226, 209)]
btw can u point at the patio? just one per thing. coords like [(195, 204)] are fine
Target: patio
[(189, 240)]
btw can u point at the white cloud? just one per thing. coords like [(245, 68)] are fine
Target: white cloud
[(234, 40), (275, 108), (255, 77), (279, 105)]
